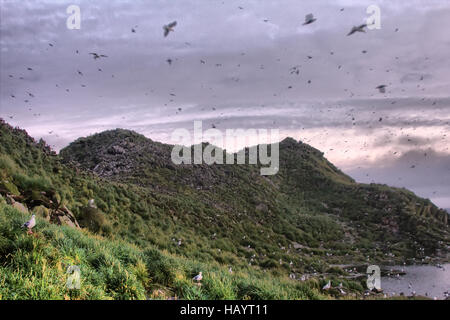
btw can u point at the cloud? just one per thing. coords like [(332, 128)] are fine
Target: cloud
[(245, 81), (423, 170)]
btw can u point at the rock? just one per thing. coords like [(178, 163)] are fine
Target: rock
[(42, 212), (21, 207), (116, 150), (375, 290), (64, 216), (36, 198)]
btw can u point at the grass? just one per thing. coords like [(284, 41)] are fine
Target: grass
[(35, 267), (222, 215)]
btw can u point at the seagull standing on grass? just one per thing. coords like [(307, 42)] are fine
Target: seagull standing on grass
[(30, 224), (198, 277), (327, 286)]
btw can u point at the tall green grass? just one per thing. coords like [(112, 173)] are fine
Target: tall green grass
[(35, 267)]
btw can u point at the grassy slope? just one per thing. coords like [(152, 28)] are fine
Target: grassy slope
[(310, 202), (161, 204), (34, 267)]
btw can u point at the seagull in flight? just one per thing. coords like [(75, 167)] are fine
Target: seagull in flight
[(359, 28), (382, 88), (30, 224), (169, 27), (97, 56), (309, 18)]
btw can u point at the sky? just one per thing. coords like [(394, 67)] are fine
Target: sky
[(233, 65)]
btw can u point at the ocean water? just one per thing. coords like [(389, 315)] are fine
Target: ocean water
[(424, 280)]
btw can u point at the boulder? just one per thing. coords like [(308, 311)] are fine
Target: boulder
[(42, 212), (36, 198), (116, 150), (21, 207), (64, 216)]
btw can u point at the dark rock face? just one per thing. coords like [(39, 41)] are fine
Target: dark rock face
[(64, 216), (43, 204), (115, 152)]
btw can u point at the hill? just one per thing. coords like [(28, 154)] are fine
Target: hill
[(267, 228), (309, 202)]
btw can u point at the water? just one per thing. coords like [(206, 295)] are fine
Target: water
[(423, 279)]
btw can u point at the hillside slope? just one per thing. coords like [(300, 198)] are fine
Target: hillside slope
[(295, 223)]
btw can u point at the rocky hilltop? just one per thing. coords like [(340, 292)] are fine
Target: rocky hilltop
[(309, 201), (300, 221)]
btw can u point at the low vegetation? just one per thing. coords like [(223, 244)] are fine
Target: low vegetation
[(155, 225)]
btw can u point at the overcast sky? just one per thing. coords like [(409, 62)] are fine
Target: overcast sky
[(249, 48)]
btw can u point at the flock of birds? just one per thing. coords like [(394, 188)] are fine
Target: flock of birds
[(169, 28)]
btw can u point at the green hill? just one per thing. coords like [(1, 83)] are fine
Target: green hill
[(154, 225)]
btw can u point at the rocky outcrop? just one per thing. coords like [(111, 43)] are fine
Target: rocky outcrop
[(19, 206), (64, 216), (45, 204)]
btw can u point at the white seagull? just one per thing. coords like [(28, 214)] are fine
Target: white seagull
[(30, 224), (169, 27), (327, 286), (198, 277), (309, 18), (359, 28)]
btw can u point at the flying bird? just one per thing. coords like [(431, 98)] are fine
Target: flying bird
[(382, 88), (97, 56), (309, 18), (169, 27), (30, 224), (359, 28)]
